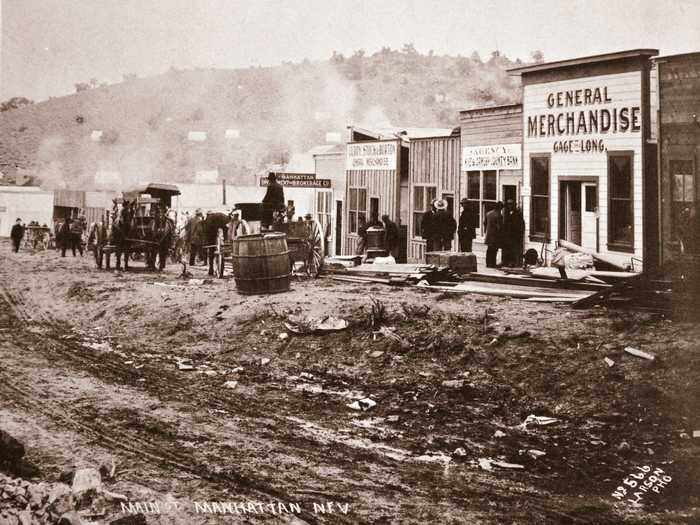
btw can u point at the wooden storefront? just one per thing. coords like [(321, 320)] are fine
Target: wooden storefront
[(375, 170), (491, 165), (589, 171), (679, 140), (433, 173)]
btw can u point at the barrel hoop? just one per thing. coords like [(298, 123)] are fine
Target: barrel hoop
[(265, 256)]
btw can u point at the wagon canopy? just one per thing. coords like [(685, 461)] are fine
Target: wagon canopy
[(157, 190)]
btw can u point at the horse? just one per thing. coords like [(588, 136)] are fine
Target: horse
[(212, 224), (162, 233), (121, 229), (99, 237)]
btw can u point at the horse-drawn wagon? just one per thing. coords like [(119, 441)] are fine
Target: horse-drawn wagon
[(304, 240), (37, 237), (139, 226)]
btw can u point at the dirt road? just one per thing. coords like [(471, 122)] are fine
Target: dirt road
[(89, 374)]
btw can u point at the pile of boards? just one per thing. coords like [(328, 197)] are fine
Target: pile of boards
[(544, 284)]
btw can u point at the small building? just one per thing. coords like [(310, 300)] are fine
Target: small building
[(589, 168), (376, 168), (491, 161), (433, 173), (330, 165), (679, 154), (29, 203)]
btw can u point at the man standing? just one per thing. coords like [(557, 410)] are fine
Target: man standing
[(513, 229), (494, 228), (16, 234), (467, 227), (195, 234), (273, 201), (445, 226), (428, 228), (76, 235), (391, 236)]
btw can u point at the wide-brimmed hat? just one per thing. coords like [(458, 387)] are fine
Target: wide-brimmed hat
[(440, 204)]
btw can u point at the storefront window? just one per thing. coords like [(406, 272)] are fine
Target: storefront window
[(620, 209), (357, 211), (324, 201), (482, 192), (539, 204), (423, 196)]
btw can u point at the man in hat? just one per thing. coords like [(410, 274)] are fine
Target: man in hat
[(494, 229), (16, 234), (427, 229), (512, 238), (195, 236), (273, 201), (467, 226), (445, 226), (238, 225)]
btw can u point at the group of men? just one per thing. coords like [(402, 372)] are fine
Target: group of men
[(70, 235), (504, 228), (438, 227)]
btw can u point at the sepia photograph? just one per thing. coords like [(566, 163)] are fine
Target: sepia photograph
[(349, 262)]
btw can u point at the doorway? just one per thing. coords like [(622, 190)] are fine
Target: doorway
[(509, 193), (578, 213), (373, 209)]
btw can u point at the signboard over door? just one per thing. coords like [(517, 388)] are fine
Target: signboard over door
[(497, 157), (372, 156)]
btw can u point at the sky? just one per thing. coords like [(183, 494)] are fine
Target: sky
[(49, 45)]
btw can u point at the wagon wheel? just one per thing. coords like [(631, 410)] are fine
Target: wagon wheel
[(314, 257)]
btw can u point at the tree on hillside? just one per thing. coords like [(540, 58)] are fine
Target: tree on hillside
[(14, 103), (537, 56)]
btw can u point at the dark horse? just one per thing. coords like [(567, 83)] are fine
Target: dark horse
[(212, 224), (162, 234), (122, 221)]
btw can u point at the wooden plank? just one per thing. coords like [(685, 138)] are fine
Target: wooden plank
[(533, 281)]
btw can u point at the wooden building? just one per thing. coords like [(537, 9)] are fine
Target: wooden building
[(491, 160), (433, 172), (679, 155), (376, 166), (589, 165), (376, 170), (330, 165)]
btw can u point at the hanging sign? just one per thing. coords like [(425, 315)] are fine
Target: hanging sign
[(295, 180), (498, 157), (372, 156)]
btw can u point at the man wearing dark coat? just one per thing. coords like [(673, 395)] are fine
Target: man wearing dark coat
[(428, 229), (444, 226), (16, 234), (391, 236), (512, 236), (467, 227), (494, 227), (273, 201)]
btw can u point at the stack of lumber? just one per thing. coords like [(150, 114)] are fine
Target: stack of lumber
[(522, 291), (393, 274)]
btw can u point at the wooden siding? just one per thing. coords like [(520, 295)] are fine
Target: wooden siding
[(433, 161), (625, 89), (679, 85), (491, 127), (69, 198)]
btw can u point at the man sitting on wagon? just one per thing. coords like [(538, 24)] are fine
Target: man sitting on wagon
[(273, 201)]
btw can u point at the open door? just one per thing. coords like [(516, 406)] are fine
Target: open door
[(570, 212), (338, 227), (589, 216)]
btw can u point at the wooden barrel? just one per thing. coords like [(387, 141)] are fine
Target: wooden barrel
[(261, 263)]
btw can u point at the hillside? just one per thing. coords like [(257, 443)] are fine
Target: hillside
[(276, 111)]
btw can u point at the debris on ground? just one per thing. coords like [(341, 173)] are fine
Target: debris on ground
[(310, 325), (639, 353), (460, 452), (537, 420), (231, 384), (362, 404), (264, 361), (184, 365), (488, 464), (609, 361), (499, 434)]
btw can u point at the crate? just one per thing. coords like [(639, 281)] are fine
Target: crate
[(459, 262)]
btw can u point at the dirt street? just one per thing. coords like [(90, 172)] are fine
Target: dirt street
[(91, 371)]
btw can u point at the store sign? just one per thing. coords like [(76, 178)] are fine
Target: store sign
[(498, 157), (298, 180), (372, 156), (579, 120)]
